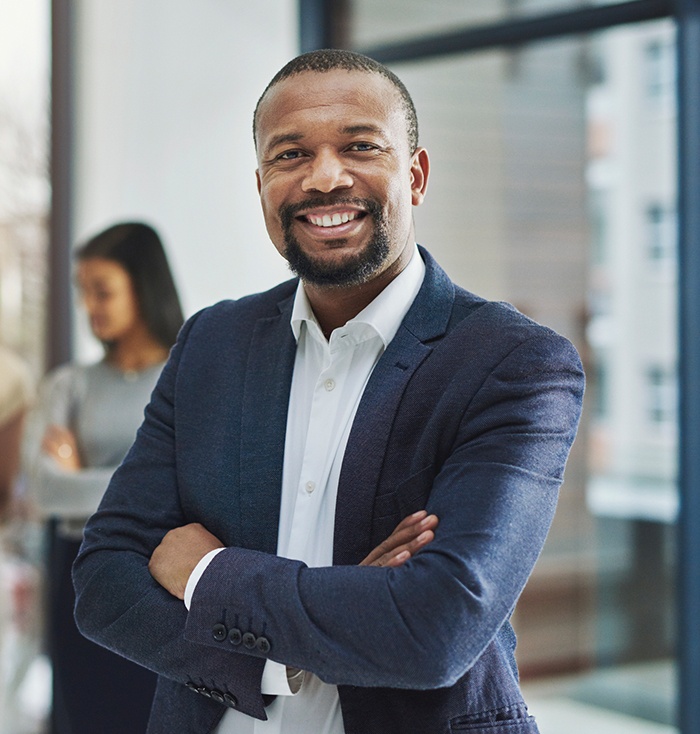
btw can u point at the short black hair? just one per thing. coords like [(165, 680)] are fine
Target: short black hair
[(138, 249), (328, 59)]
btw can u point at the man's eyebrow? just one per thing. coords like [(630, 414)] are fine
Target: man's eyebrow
[(365, 128), (284, 138)]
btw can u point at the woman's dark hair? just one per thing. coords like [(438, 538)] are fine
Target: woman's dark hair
[(138, 249)]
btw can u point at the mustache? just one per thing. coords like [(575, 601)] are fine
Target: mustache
[(290, 211)]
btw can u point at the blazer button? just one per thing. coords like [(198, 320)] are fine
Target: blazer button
[(230, 700), (235, 636), (204, 691), (192, 686), (219, 632), (249, 640), (263, 644), (218, 696)]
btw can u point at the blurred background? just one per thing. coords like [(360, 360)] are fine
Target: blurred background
[(559, 131)]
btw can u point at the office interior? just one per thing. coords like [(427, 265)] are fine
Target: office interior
[(565, 146)]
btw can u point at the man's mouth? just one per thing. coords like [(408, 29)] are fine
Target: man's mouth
[(331, 219), (324, 218)]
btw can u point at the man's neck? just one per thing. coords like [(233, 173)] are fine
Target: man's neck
[(334, 306)]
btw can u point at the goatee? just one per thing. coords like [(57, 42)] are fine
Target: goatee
[(353, 271)]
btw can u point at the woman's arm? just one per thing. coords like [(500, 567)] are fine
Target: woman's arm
[(60, 486)]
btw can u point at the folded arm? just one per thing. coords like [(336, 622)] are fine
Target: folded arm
[(419, 625)]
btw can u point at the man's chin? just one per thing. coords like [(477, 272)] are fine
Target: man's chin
[(335, 267)]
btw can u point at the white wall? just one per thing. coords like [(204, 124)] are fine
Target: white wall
[(165, 92)]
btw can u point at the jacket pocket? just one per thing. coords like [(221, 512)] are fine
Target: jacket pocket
[(409, 497)]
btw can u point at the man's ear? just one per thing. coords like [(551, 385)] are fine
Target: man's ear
[(257, 180), (420, 170)]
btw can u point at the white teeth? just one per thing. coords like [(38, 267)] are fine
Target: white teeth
[(328, 220)]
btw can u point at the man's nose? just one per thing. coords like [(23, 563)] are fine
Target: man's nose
[(326, 172)]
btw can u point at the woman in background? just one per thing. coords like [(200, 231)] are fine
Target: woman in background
[(84, 424)]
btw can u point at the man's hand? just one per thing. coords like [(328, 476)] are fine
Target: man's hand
[(177, 555), (410, 535)]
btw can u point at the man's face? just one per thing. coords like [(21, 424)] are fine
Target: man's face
[(336, 177)]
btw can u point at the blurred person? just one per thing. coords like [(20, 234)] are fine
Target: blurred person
[(271, 544), (84, 423)]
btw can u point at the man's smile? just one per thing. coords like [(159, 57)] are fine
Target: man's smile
[(330, 221)]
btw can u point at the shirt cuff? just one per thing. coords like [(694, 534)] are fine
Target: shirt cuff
[(279, 680), (197, 574)]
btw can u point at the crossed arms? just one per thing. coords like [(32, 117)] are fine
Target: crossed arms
[(495, 495)]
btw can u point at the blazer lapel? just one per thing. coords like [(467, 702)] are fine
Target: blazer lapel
[(426, 320), (263, 426)]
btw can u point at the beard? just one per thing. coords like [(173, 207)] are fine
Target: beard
[(352, 271)]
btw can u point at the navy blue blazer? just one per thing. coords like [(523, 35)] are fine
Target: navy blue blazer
[(470, 413)]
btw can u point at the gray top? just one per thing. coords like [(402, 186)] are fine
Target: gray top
[(103, 406)]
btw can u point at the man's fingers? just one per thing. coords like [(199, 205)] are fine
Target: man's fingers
[(404, 536), (404, 531), (404, 542), (400, 555)]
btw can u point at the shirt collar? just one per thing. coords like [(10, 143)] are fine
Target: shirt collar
[(384, 314)]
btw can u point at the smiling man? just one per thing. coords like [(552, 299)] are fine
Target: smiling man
[(341, 485), (339, 170)]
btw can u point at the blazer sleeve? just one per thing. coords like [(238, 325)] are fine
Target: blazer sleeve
[(118, 603), (424, 624)]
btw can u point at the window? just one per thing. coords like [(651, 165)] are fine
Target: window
[(662, 395), (660, 71), (661, 233)]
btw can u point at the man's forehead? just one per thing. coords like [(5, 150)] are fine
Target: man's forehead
[(302, 83), (309, 89)]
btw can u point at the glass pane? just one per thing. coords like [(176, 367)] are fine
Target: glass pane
[(373, 23), (24, 184), (25, 676), (553, 187)]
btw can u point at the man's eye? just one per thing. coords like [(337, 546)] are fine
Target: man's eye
[(361, 147), (289, 155)]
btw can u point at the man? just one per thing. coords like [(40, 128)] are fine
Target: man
[(297, 440)]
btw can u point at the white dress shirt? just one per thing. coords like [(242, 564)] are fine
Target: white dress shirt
[(328, 382)]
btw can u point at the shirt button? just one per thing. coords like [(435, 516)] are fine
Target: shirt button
[(310, 486), (329, 384)]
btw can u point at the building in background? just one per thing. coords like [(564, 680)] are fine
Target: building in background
[(632, 331)]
